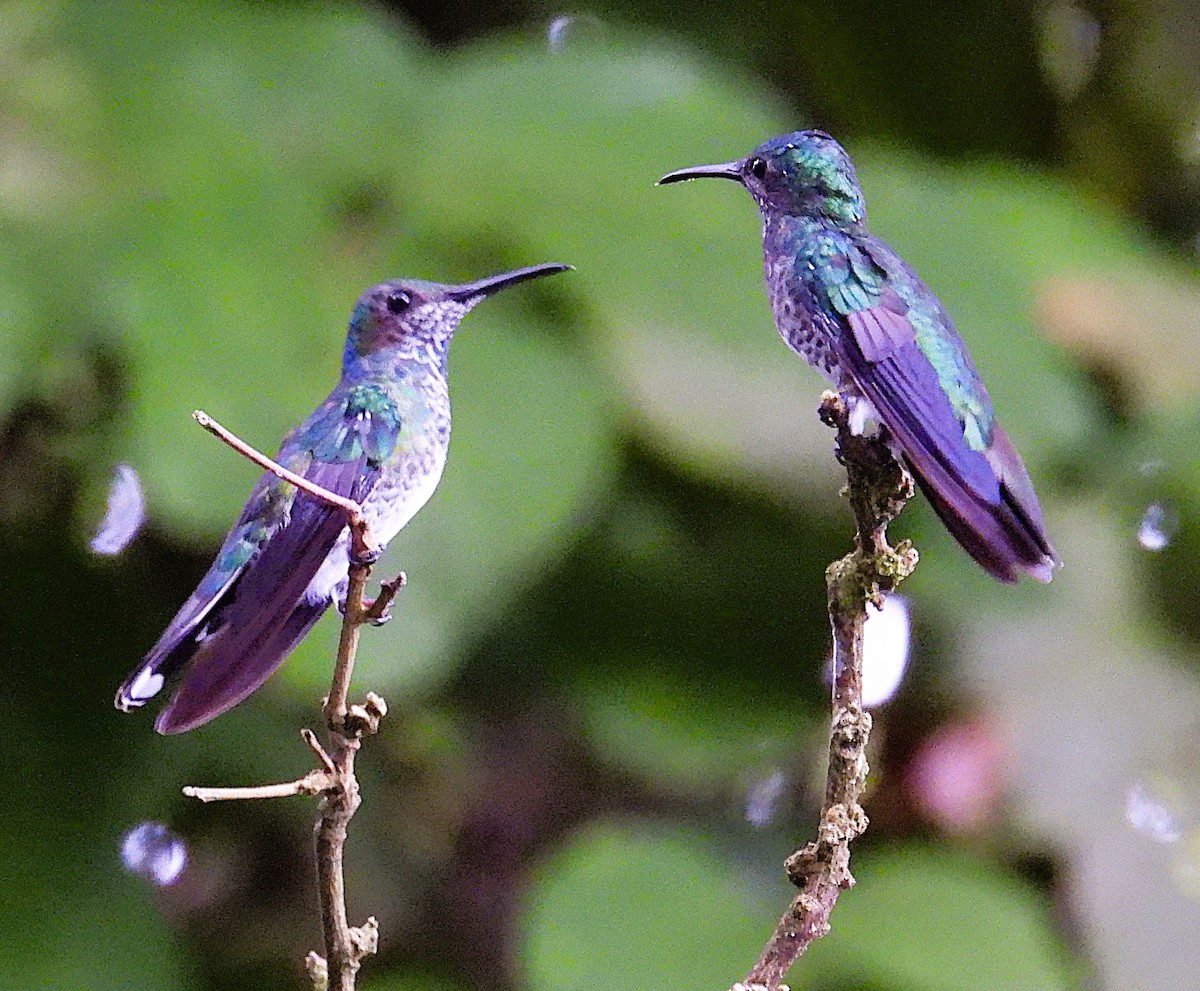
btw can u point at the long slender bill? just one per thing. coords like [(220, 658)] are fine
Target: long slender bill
[(494, 283), (725, 170)]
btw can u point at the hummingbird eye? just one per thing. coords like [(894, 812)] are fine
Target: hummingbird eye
[(398, 301), (758, 168)]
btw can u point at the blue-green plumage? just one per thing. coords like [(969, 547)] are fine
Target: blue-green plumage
[(844, 301), (380, 438)]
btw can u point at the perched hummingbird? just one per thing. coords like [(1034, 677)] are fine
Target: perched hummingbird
[(379, 438), (847, 304)]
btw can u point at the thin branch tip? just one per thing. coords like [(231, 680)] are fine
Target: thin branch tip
[(321, 753), (351, 508), (313, 783)]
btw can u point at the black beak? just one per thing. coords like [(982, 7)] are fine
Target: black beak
[(726, 170), (494, 283)]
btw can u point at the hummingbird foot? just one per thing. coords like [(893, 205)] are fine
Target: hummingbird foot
[(377, 611), (368, 605), (368, 558), (385, 613)]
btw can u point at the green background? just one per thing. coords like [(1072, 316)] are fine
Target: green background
[(614, 632)]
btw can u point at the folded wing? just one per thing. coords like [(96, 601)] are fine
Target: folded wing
[(962, 460), (257, 600)]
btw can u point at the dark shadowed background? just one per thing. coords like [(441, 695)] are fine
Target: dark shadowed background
[(606, 676)]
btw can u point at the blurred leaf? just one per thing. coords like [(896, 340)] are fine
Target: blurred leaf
[(669, 279), (620, 905), (1135, 328), (22, 335), (1158, 467), (44, 179), (623, 114), (928, 919), (71, 915), (116, 939), (227, 254), (678, 733)]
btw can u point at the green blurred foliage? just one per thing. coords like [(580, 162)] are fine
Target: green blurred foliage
[(611, 901), (677, 733), (614, 629), (968, 913)]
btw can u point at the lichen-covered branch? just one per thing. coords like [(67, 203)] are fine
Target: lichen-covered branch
[(878, 487), (347, 725)]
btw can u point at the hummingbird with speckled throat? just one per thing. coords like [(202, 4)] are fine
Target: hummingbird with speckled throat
[(849, 305), (380, 438)]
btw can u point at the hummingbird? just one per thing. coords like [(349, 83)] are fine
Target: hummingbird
[(850, 306), (380, 438)]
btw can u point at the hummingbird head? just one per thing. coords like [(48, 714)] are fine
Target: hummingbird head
[(806, 173), (414, 320)]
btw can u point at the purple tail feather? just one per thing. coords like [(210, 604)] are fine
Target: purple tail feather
[(1007, 538), (222, 675)]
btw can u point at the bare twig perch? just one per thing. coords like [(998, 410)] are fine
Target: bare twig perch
[(345, 946), (878, 488)]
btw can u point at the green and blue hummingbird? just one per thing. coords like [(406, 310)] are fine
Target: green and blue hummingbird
[(847, 304), (379, 438)]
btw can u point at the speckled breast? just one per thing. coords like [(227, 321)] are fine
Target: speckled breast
[(406, 483), (797, 316)]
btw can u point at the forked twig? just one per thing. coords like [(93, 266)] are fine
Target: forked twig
[(346, 946)]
